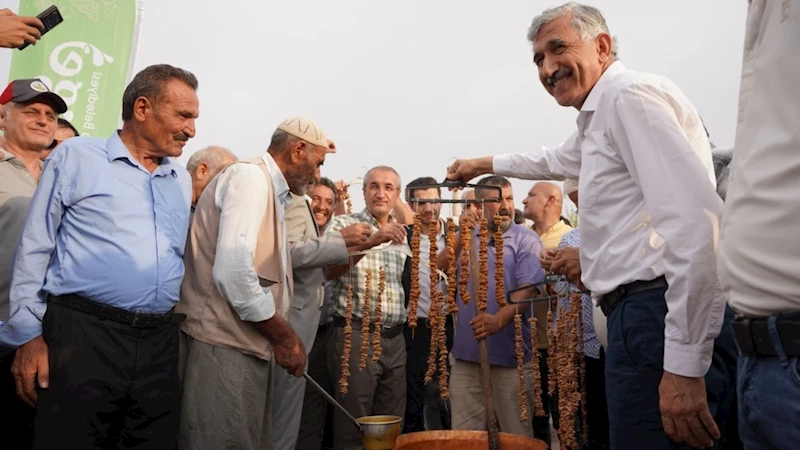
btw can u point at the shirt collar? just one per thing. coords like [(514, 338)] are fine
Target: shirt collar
[(558, 225), (370, 219), (278, 180), (602, 85), (116, 149), (6, 155)]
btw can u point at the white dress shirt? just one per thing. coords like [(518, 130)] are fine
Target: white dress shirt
[(424, 303), (648, 203), (242, 193), (759, 251)]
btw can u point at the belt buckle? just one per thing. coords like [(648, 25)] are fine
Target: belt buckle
[(137, 319)]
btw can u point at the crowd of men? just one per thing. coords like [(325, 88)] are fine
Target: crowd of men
[(144, 305)]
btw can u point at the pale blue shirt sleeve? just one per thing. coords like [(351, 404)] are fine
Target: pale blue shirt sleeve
[(35, 248), (241, 196)]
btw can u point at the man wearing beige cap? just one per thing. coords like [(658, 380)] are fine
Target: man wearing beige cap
[(237, 291)]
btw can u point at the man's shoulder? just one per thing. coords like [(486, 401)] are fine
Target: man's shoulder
[(525, 237), (634, 82)]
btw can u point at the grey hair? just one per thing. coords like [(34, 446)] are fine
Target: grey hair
[(382, 169), (213, 156), (588, 21)]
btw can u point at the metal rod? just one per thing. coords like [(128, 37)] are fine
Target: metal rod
[(333, 401), (483, 349)]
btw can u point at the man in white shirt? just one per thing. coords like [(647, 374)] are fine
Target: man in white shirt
[(648, 226), (759, 249), (424, 408)]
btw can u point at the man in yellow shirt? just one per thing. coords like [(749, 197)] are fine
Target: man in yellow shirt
[(543, 206)]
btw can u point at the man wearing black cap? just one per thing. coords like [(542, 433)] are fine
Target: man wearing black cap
[(30, 125)]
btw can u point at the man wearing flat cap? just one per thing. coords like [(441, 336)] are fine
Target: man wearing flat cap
[(237, 292), (30, 111)]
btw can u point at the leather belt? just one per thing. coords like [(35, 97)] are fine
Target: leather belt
[(387, 332), (753, 338), (114, 314), (609, 301)]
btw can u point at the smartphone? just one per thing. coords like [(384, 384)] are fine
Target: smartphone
[(50, 17)]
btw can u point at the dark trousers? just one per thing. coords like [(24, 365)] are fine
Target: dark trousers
[(596, 407), (635, 365), (111, 385), (316, 423), (541, 424), (17, 415), (769, 397), (425, 410)]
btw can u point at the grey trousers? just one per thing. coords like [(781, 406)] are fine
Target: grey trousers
[(227, 399), (377, 390), (287, 405)]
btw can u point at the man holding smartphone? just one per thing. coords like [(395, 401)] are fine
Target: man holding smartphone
[(16, 31)]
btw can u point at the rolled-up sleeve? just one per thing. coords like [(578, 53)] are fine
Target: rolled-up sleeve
[(241, 195), (35, 248), (557, 163), (685, 211)]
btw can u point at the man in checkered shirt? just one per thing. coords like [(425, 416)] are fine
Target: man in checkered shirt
[(381, 387)]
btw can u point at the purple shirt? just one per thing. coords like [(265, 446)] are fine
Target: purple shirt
[(521, 249)]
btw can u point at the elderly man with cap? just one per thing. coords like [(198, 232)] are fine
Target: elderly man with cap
[(649, 224), (96, 276), (30, 111), (237, 293)]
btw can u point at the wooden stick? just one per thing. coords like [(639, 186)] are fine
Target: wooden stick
[(483, 348)]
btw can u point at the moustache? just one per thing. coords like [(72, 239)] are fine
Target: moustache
[(559, 75), (183, 137)]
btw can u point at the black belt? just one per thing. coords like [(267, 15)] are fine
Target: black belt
[(753, 339), (387, 332), (613, 298), (132, 318)]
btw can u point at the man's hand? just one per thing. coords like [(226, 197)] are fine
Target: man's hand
[(684, 411), (568, 262), (341, 188), (16, 30), (356, 235), (466, 169), (485, 325), (403, 213), (291, 355), (392, 232), (546, 258), (31, 366)]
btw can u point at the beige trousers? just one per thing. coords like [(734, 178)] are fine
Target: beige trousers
[(466, 398)]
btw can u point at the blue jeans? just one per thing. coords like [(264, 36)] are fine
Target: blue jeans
[(769, 399), (635, 365)]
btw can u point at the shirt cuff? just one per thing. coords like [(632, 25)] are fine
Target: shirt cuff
[(259, 310), (502, 164), (24, 326), (688, 360), (339, 249)]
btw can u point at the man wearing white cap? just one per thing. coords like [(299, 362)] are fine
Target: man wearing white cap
[(649, 223), (237, 292)]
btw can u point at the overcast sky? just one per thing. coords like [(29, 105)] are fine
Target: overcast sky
[(413, 83)]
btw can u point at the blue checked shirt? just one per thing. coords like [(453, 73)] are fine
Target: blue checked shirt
[(591, 346)]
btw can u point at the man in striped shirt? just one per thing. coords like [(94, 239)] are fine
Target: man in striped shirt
[(380, 388)]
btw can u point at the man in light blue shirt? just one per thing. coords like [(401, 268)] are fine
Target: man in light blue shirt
[(97, 272)]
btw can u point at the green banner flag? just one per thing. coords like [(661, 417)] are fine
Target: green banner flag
[(84, 59)]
